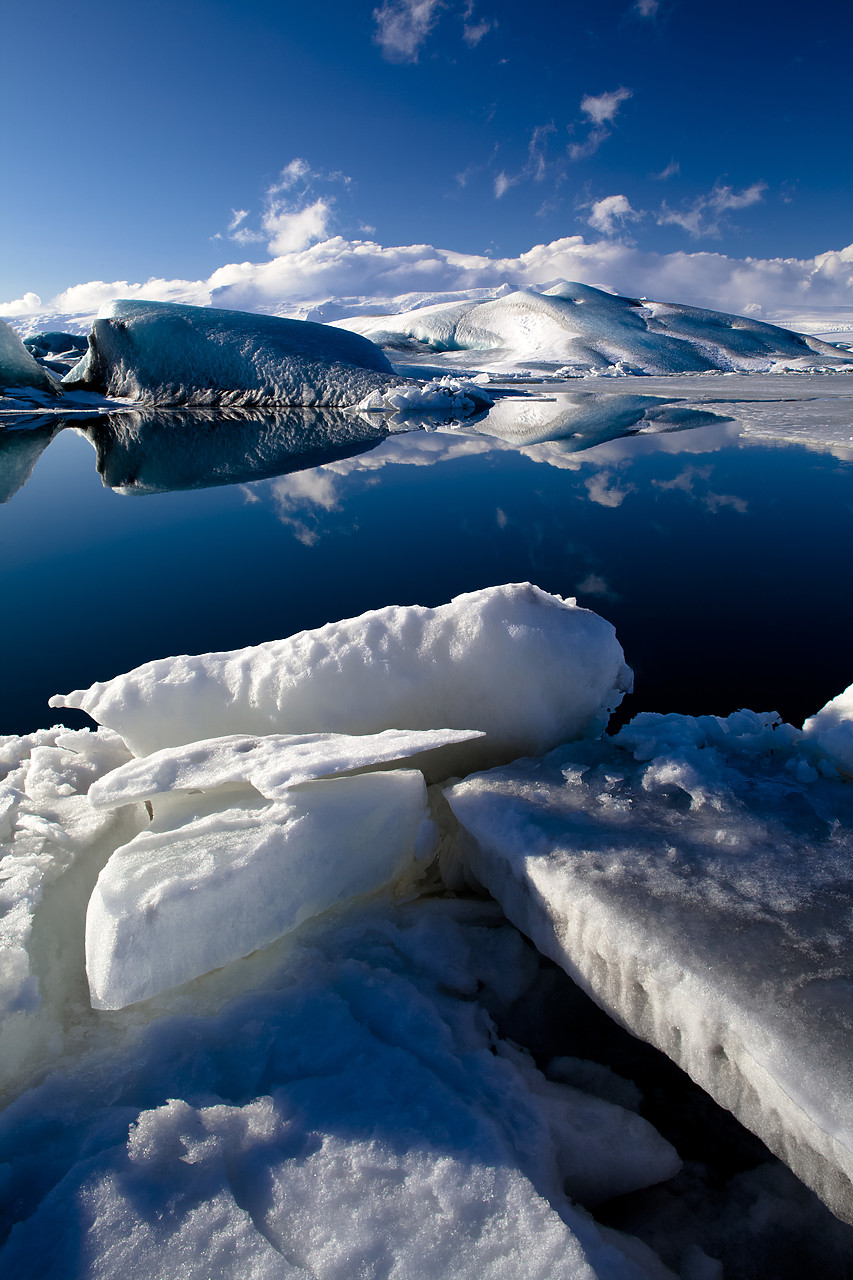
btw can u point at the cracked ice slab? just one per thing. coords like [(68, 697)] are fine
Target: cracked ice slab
[(694, 876)]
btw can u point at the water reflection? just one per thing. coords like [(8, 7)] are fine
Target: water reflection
[(581, 419), (162, 450), (20, 450)]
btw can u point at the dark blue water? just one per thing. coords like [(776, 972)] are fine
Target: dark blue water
[(724, 566)]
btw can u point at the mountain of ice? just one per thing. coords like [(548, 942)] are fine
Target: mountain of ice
[(168, 354), (693, 875), (529, 669), (17, 367), (578, 329)]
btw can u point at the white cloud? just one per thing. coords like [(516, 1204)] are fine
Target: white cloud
[(601, 110), (669, 171), (604, 108), (338, 267), (237, 216), (472, 33), (402, 26), (704, 215), (289, 231), (24, 306), (609, 212), (503, 182), (646, 8)]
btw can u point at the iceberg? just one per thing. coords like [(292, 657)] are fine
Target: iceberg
[(527, 668), (577, 329), (20, 450), (582, 419), (169, 354), (693, 876), (17, 367)]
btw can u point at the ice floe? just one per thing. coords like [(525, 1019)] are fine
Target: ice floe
[(169, 354), (693, 875), (576, 329), (528, 668)]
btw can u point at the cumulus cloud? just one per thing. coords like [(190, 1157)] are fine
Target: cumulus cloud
[(338, 267), (704, 216), (289, 231), (600, 110), (293, 213), (611, 213), (24, 306), (402, 26)]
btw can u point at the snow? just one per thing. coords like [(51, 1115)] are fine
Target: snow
[(693, 876), (580, 330), (17, 367), (170, 354), (528, 668), (831, 732)]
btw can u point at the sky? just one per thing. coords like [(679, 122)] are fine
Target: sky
[(246, 152)]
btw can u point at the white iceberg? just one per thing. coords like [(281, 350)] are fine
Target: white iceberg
[(693, 875), (169, 354), (831, 731), (527, 668), (578, 329), (17, 367)]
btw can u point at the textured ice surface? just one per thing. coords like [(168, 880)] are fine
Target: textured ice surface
[(169, 354), (50, 838), (694, 875), (527, 668), (444, 396), (339, 1105), (584, 329), (199, 889), (17, 367)]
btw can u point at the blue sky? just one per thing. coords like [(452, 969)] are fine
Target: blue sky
[(171, 139)]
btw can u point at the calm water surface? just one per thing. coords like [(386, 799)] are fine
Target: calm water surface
[(724, 565)]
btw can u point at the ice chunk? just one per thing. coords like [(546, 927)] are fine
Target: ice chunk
[(52, 845), (581, 419), (19, 453), (831, 731), (272, 764), (527, 668), (696, 882), (442, 396), (17, 366), (169, 354), (585, 330), (181, 900)]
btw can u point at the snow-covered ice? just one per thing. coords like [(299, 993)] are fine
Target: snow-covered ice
[(576, 329), (169, 354), (527, 668), (831, 732), (693, 875)]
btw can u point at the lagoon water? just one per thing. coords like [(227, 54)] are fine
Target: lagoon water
[(722, 561)]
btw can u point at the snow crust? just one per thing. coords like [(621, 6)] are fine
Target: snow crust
[(528, 669), (693, 875), (17, 367), (579, 330), (345, 1107), (169, 354)]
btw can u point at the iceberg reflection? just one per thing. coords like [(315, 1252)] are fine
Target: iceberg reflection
[(162, 450)]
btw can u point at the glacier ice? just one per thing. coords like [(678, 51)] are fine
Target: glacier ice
[(693, 875), (583, 330), (17, 367), (528, 668), (169, 354), (831, 731)]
